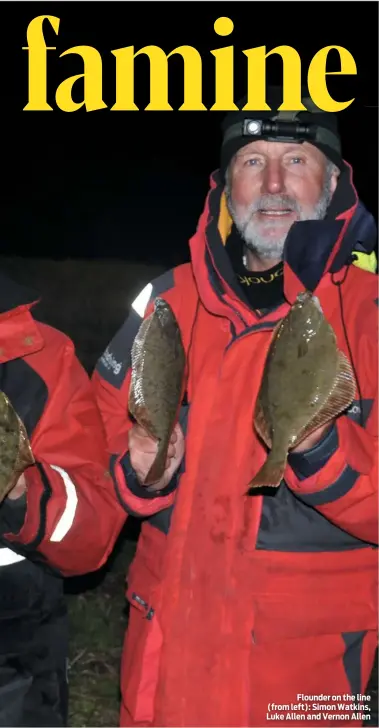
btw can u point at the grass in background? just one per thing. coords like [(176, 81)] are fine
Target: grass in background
[(98, 619)]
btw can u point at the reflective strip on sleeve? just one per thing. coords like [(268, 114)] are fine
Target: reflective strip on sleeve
[(67, 518), (8, 557), (140, 303)]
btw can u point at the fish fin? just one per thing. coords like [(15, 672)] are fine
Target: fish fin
[(261, 424), (270, 474), (159, 465), (140, 414), (340, 398), (132, 405)]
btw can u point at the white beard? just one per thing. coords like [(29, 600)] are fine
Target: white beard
[(271, 248)]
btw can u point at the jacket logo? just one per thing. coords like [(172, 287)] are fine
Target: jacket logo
[(248, 280), (109, 362), (360, 409), (354, 410)]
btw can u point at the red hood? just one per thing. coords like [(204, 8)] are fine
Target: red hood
[(314, 249)]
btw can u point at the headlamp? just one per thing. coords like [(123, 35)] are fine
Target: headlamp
[(280, 131), (274, 130)]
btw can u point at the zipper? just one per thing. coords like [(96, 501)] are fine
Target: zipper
[(149, 610)]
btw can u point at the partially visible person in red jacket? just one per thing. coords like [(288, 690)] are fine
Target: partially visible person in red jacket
[(61, 518), (245, 610)]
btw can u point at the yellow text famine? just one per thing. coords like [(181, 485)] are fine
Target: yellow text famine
[(126, 58)]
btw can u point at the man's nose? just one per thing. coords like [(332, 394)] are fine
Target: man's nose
[(273, 178)]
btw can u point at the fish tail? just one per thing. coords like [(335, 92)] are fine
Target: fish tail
[(270, 474), (159, 465)]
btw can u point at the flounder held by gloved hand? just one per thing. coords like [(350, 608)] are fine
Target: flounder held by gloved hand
[(307, 382), (157, 380), (15, 450)]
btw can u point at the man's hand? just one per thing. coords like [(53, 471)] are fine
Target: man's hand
[(19, 489), (313, 439), (143, 449)]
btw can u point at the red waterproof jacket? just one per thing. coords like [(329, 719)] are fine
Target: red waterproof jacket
[(240, 604), (72, 518)]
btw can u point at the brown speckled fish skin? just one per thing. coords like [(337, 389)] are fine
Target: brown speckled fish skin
[(15, 450), (157, 380), (307, 382)]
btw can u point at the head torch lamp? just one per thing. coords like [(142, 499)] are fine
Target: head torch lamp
[(274, 130), (278, 130)]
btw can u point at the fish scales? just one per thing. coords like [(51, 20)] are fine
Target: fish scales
[(15, 450), (157, 379), (306, 383)]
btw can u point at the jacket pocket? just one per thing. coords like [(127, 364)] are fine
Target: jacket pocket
[(294, 616)]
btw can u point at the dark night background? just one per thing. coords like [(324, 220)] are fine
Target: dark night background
[(131, 185)]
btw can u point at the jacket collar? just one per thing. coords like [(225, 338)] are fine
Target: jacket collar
[(20, 334)]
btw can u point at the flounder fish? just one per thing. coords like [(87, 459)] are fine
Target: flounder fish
[(15, 450), (307, 382), (157, 380)]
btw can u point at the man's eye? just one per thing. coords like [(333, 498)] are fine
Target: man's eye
[(296, 160), (252, 162)]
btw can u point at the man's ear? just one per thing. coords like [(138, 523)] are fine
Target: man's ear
[(334, 180)]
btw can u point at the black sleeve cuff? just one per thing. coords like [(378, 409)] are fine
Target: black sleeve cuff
[(307, 463), (12, 515), (142, 491)]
